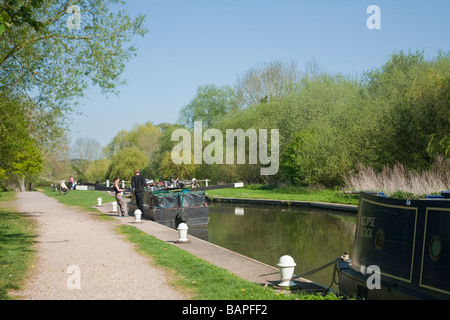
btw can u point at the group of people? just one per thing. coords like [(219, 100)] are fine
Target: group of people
[(138, 183), (63, 188)]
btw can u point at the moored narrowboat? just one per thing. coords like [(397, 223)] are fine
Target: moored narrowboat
[(173, 206), (405, 243)]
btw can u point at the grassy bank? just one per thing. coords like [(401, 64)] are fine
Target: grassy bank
[(287, 193), (80, 198), (16, 242)]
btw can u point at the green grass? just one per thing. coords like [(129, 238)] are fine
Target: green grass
[(287, 193), (16, 241), (81, 198)]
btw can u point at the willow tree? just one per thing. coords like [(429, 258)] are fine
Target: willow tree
[(209, 105)]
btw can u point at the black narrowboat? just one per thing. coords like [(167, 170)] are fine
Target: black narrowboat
[(172, 206), (407, 241)]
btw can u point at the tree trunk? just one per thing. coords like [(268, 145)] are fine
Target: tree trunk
[(21, 183)]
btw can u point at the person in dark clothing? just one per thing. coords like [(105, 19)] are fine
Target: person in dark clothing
[(138, 184)]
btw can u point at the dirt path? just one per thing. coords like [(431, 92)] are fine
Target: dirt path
[(81, 257)]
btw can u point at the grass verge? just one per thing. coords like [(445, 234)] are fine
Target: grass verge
[(287, 193), (83, 199), (16, 246), (80, 198)]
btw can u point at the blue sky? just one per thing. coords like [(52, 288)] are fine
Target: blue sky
[(197, 42)]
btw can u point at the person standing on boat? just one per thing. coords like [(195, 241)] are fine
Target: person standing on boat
[(138, 184), (120, 202)]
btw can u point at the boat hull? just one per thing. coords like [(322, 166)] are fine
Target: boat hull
[(172, 208)]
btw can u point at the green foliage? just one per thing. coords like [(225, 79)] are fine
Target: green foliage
[(292, 193), (400, 194), (19, 155), (162, 165), (142, 136), (412, 96), (98, 170), (61, 63), (328, 124), (47, 67), (125, 161), (399, 112), (85, 199), (13, 13), (135, 148), (209, 105), (16, 242)]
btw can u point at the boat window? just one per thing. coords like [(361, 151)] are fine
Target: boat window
[(435, 248), (379, 239)]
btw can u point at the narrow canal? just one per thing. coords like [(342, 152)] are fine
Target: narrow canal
[(265, 233)]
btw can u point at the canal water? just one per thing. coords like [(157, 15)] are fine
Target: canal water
[(265, 233)]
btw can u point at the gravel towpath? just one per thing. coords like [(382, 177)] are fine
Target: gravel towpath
[(80, 257)]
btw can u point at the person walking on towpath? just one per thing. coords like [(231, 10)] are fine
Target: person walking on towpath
[(138, 184)]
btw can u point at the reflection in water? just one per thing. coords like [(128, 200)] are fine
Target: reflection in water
[(312, 237)]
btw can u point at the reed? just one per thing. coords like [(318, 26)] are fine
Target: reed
[(391, 180)]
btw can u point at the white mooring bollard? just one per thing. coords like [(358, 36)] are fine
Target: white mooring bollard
[(182, 233), (286, 265), (114, 205), (99, 201), (137, 216)]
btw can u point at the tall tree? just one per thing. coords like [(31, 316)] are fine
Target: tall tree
[(51, 51), (125, 161), (19, 155), (411, 95), (267, 82), (209, 105), (86, 148), (142, 136), (54, 63), (83, 152)]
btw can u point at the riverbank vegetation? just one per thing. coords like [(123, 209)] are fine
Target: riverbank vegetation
[(291, 193), (387, 130), (16, 246), (85, 199)]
